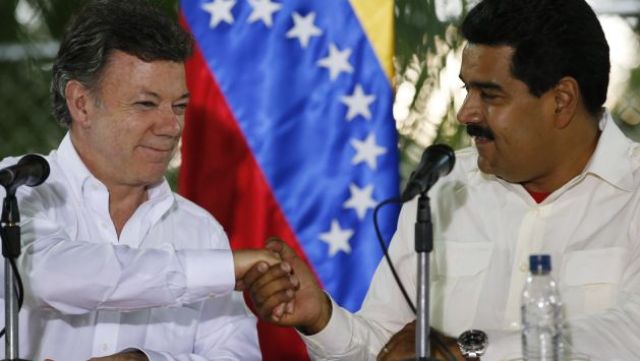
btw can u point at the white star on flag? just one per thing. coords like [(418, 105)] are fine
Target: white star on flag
[(367, 151), (220, 10), (303, 28), (360, 200), (263, 10), (337, 61), (337, 238), (358, 103)]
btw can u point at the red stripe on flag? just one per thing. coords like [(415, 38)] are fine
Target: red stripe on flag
[(219, 173)]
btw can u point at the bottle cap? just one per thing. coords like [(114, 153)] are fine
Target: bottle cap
[(539, 263)]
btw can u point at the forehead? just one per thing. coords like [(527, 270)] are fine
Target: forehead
[(127, 74), (483, 63)]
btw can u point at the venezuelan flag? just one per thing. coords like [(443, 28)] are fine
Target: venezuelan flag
[(289, 132)]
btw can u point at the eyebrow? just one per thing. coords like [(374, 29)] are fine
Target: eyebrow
[(157, 96), (485, 85), (184, 96)]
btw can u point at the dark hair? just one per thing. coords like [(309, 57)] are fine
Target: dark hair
[(104, 26), (551, 38)]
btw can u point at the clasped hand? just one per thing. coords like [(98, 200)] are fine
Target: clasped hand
[(288, 294)]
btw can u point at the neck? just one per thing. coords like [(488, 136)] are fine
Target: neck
[(123, 202), (575, 148), (124, 198)]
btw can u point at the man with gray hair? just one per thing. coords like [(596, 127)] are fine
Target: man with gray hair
[(115, 265)]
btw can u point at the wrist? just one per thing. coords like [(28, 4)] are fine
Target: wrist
[(321, 320)]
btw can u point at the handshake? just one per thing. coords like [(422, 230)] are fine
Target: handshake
[(285, 292), (282, 287)]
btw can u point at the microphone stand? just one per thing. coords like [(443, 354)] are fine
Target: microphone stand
[(10, 232), (423, 246)]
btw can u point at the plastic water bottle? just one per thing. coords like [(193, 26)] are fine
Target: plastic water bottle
[(543, 328)]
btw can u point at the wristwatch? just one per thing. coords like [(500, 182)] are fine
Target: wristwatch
[(473, 343)]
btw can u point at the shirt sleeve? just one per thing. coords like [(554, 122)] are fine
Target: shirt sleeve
[(360, 336), (226, 332), (80, 276)]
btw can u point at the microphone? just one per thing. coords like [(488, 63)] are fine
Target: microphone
[(437, 161), (31, 170)]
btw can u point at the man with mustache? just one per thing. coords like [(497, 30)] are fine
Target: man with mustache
[(550, 173), (115, 265)]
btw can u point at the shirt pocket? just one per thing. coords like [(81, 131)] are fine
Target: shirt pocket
[(459, 271), (590, 279)]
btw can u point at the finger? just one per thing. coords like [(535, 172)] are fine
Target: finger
[(269, 256), (273, 273), (274, 244), (254, 273), (277, 312), (290, 307), (275, 306), (281, 247), (260, 294), (267, 309)]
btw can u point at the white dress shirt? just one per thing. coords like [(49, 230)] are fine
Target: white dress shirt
[(484, 231), (165, 286)]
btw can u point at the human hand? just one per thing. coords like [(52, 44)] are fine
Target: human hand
[(288, 294), (402, 346), (244, 259), (134, 355)]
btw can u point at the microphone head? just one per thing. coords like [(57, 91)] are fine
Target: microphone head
[(36, 168), (438, 158), (437, 161)]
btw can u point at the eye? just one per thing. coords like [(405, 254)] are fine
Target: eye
[(146, 104), (488, 96), (179, 109)]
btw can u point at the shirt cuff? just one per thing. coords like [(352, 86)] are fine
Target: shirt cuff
[(156, 356), (151, 355), (335, 338), (208, 273)]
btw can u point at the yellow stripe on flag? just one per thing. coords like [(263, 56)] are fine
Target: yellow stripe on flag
[(376, 18)]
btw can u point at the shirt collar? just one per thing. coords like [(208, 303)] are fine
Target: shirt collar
[(79, 176), (611, 159), (72, 166)]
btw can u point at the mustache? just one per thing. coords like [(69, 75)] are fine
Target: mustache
[(475, 130)]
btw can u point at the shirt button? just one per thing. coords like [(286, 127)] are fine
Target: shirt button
[(524, 267)]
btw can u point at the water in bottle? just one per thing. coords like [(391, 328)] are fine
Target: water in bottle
[(543, 328)]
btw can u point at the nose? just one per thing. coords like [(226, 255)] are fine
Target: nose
[(169, 123), (470, 111)]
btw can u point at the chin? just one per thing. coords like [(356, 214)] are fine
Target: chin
[(484, 166), (152, 178)]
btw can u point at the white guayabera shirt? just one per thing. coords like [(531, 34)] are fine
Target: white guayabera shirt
[(485, 229), (164, 287)]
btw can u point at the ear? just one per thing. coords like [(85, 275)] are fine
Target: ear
[(567, 97), (79, 102)]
